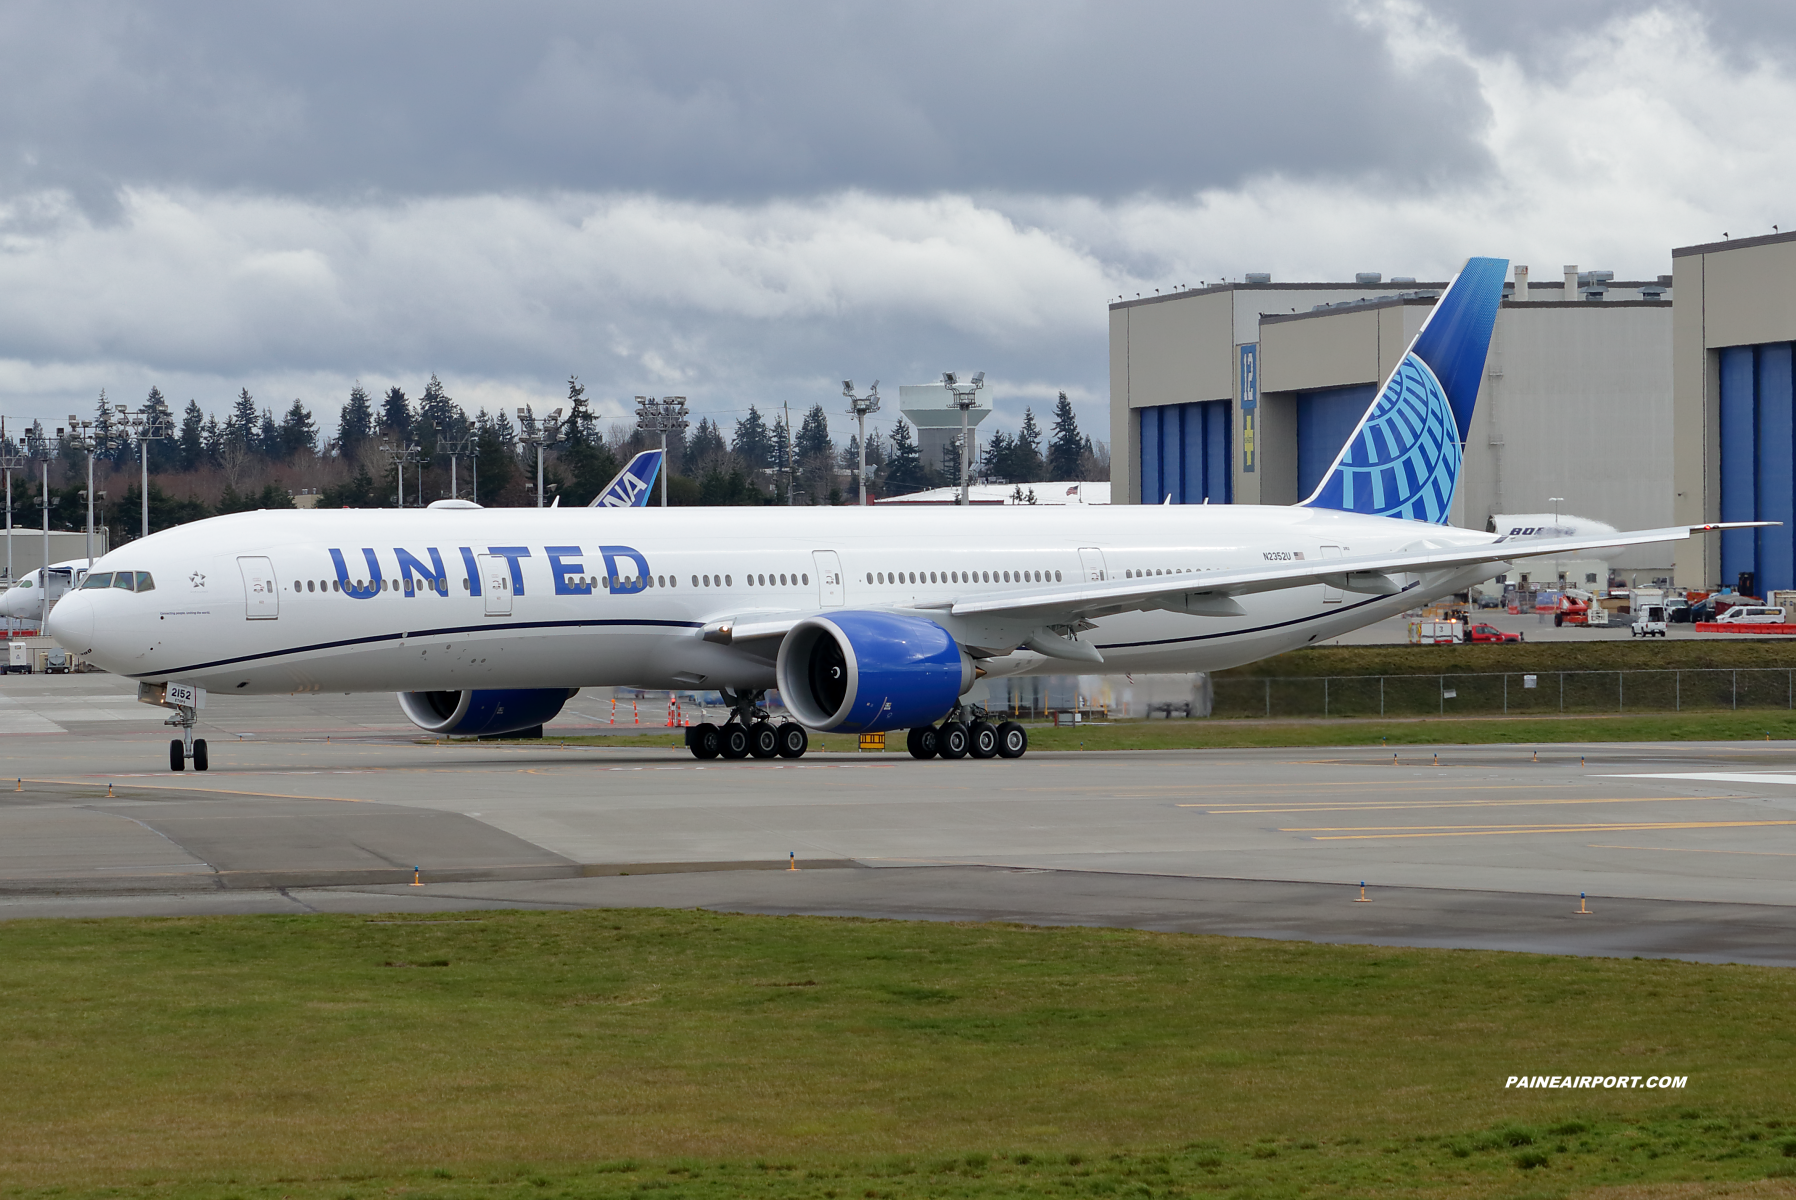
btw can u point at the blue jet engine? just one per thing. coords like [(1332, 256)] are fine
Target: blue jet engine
[(483, 713), (862, 672)]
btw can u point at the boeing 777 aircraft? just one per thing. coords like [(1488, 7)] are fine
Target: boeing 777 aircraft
[(486, 620)]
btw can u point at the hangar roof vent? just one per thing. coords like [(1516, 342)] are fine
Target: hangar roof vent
[(1258, 277), (1368, 277)]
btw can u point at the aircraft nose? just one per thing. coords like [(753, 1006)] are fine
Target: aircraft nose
[(72, 623)]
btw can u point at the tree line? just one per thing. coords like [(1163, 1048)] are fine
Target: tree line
[(258, 457)]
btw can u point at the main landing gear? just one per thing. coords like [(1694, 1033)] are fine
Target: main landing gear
[(748, 733), (959, 737), (186, 746)]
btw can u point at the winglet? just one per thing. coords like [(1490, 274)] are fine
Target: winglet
[(633, 485)]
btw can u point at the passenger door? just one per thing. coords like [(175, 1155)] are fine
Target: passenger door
[(495, 584), (1331, 595), (829, 578), (262, 594), (1092, 559)]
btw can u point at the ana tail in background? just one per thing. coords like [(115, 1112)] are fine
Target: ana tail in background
[(633, 485), (1403, 459)]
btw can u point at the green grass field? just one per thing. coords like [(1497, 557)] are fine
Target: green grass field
[(629, 1053)]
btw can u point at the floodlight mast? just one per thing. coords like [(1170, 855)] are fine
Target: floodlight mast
[(860, 406), (402, 454), (10, 461), (663, 416), (965, 398), (541, 434), (146, 425)]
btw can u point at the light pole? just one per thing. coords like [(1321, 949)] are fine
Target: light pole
[(86, 435), (860, 406), (146, 425), (662, 416), (456, 448), (10, 460), (401, 454), (541, 434), (43, 579), (965, 398)]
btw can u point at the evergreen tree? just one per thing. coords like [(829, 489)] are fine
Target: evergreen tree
[(782, 445), (904, 469), (706, 445), (298, 433), (581, 427), (1000, 451), (753, 443), (396, 415), (244, 423), (355, 424), (435, 406), (1025, 459), (1067, 450), (212, 440), (813, 436), (163, 455), (268, 436), (113, 441), (191, 445)]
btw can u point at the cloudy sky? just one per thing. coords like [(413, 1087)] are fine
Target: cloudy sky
[(747, 203)]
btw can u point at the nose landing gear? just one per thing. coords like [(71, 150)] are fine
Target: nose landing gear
[(186, 746), (747, 733)]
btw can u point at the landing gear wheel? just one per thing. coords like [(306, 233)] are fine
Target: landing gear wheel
[(177, 758), (1558, 620), (952, 740), (763, 742), (1013, 740), (793, 740), (704, 741), (922, 742), (199, 754), (735, 740), (984, 738)]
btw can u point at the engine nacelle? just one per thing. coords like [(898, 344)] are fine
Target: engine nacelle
[(483, 713), (862, 672)]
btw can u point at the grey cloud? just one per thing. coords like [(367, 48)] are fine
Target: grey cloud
[(712, 100)]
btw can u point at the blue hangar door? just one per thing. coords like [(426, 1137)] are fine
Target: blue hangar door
[(1185, 453)]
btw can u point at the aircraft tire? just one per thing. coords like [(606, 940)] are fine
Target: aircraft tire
[(177, 756), (763, 742), (1013, 740), (793, 740), (735, 740), (952, 740), (922, 741), (983, 739), (200, 762), (704, 741)]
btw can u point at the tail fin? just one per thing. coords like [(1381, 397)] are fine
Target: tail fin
[(1403, 458), (633, 485)]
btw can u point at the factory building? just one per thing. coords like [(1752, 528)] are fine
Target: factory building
[(1735, 431), (1246, 392)]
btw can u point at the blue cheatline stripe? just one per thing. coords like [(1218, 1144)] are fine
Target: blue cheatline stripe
[(444, 631), (1739, 460), (1205, 637), (1776, 489)]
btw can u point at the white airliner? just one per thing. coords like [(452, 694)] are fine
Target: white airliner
[(24, 600), (865, 619)]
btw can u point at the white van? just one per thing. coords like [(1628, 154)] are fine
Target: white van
[(1751, 614), (1649, 621)]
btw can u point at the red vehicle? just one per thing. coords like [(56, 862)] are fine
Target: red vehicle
[(1574, 608), (1489, 633)]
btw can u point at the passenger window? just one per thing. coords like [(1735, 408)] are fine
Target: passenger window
[(297, 586), (806, 579), (99, 580), (1057, 577), (727, 582)]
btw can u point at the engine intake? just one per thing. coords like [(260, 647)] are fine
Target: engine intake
[(483, 713), (862, 672)]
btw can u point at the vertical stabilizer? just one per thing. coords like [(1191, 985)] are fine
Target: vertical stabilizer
[(1403, 458), (633, 485)]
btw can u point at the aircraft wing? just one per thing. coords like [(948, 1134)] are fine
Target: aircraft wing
[(1210, 592), (633, 485)]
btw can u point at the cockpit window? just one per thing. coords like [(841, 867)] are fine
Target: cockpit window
[(122, 580), (144, 582), (98, 579)]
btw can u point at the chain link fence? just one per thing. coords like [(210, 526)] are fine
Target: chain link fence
[(1542, 693)]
